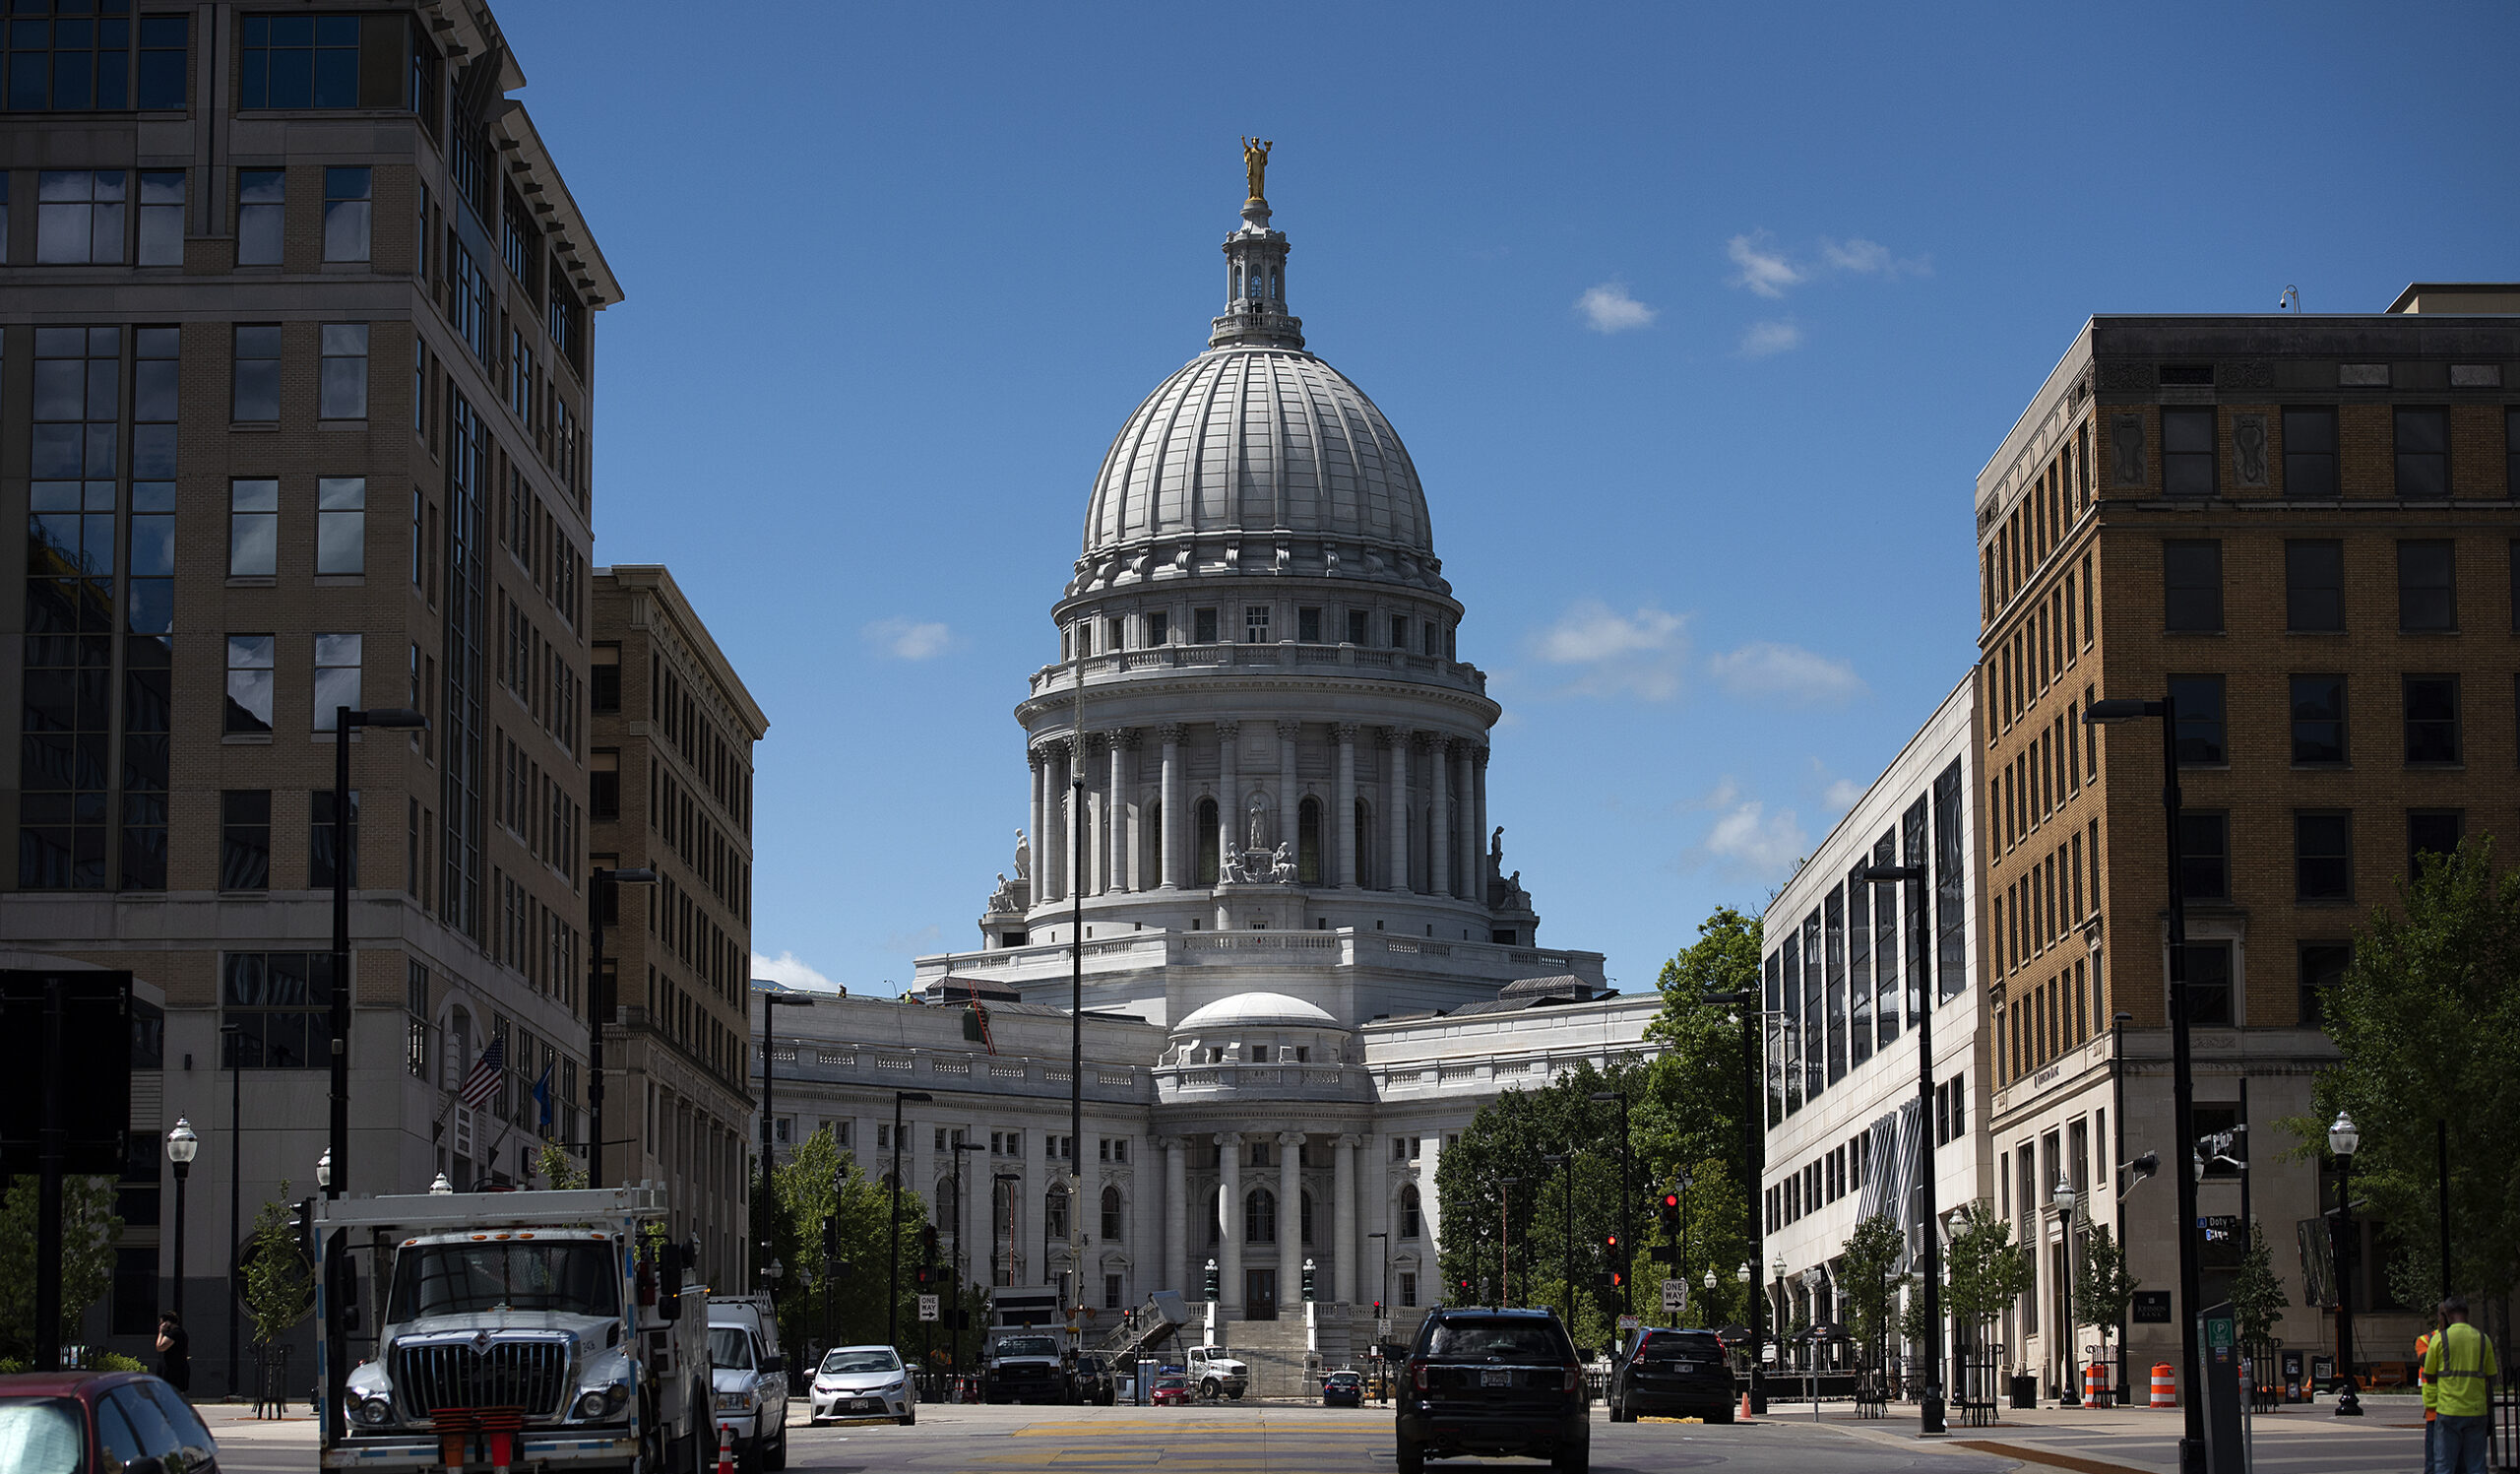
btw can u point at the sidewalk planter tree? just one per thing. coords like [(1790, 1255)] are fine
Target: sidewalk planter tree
[(1988, 1272), (1873, 1278), (88, 1233), (2103, 1288)]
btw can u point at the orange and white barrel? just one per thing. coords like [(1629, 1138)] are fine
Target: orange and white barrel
[(2165, 1386), (2095, 1385)]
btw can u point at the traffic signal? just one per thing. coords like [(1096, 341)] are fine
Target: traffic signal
[(1211, 1280), (1308, 1281), (1672, 1212), (1611, 1249), (1377, 1310), (924, 1276)]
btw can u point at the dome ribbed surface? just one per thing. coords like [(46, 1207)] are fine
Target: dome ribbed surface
[(1258, 440), (1257, 1010)]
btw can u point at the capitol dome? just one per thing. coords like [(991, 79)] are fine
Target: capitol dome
[(1261, 439), (1255, 1011)]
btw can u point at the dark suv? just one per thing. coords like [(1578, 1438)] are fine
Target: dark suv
[(1493, 1382), (1675, 1374)]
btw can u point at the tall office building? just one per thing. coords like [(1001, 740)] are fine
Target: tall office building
[(671, 792), (2302, 529), (296, 392)]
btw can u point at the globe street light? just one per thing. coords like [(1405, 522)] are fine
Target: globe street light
[(182, 1145), (2065, 1201), (2343, 1139), (2191, 1442)]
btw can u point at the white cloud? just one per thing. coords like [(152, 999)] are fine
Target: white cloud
[(1608, 308), (1746, 839), (1764, 270), (792, 970), (1764, 340), (1611, 654), (1870, 258), (910, 640), (1842, 794), (1765, 670)]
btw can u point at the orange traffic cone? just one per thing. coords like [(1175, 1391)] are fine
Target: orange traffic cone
[(725, 1449), (1745, 1405)]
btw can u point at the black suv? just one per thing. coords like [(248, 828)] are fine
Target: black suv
[(1094, 1381), (1493, 1382), (1674, 1373)]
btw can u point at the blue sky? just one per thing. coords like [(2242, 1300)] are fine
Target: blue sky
[(1698, 324)]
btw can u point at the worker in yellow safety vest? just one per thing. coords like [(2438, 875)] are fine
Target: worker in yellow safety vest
[(2431, 1415), (2461, 1366)]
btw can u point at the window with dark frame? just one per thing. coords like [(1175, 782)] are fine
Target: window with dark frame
[(2422, 453), (2201, 723), (2319, 720), (2192, 585), (2431, 831), (249, 686), (1308, 626), (2187, 452), (2205, 854), (281, 1003), (2511, 453), (1158, 628), (2323, 855), (1203, 626), (2310, 453), (245, 839), (2428, 584), (319, 838), (2432, 720), (262, 207), (2323, 965), (2209, 983), (254, 395), (349, 212), (2313, 584)]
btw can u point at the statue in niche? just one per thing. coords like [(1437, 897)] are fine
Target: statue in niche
[(1257, 826), (1255, 163), (1282, 864), (1023, 858), (1516, 898), (1230, 870), (1002, 898), (1496, 852)]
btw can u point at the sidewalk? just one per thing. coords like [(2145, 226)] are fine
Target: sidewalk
[(2307, 1437)]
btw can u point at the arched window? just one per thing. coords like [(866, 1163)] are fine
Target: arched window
[(1054, 1216), (1259, 1216), (1110, 1215), (1215, 1214), (1408, 1213), (1207, 842), (948, 1204), (1365, 847), (1308, 1218), (1308, 842)]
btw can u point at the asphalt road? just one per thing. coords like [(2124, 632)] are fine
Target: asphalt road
[(1242, 1438)]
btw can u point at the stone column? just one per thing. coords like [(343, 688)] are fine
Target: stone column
[(1430, 1216), (1289, 814), (1439, 816), (1289, 1220), (1229, 1225), (1342, 821), (1466, 825), (1394, 807), (1343, 1217), (1123, 743), (1176, 1192), (1052, 844), (1229, 796), (1093, 879), (1173, 823), (1478, 830), (1038, 760)]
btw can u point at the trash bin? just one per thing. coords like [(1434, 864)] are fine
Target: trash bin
[(2025, 1391)]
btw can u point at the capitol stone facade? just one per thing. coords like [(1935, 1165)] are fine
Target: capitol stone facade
[(1307, 962)]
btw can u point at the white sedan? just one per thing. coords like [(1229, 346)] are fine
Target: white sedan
[(862, 1382)]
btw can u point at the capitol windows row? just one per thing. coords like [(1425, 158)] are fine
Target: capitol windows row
[(2429, 722), (1259, 624)]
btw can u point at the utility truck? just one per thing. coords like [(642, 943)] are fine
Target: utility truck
[(520, 1331)]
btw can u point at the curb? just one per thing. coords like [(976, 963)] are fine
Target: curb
[(2047, 1458)]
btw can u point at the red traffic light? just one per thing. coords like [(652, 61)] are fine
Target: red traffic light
[(1670, 1202), (1609, 1241)]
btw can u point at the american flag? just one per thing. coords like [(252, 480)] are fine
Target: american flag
[(483, 1083)]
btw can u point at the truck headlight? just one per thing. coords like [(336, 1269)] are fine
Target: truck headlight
[(376, 1412), (734, 1402), (595, 1402)]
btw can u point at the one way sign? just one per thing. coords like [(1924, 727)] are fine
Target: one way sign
[(1676, 1295)]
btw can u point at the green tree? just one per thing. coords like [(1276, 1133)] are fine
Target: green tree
[(2257, 1295), (1697, 1085), (843, 1302), (88, 1233), (1869, 1271), (560, 1168), (2427, 1025), (1988, 1270), (279, 1284), (2103, 1288)]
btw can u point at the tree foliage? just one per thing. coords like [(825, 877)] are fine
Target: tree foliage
[(279, 1284), (1986, 1270), (1869, 1271), (559, 1168), (2103, 1288), (2257, 1295), (843, 1302), (2427, 1024), (88, 1233)]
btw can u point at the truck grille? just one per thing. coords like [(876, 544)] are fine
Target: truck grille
[(528, 1374)]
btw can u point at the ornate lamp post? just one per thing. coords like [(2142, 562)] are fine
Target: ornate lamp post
[(2343, 1139), (182, 1145), (2065, 1201)]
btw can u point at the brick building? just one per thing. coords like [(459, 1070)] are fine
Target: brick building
[(672, 791), (2302, 529), (302, 298)]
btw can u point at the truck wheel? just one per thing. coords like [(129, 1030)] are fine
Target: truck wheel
[(1235, 1394), (1408, 1458), (908, 1418), (776, 1456), (1209, 1389)]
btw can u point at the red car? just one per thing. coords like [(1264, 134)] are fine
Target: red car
[(1172, 1389), (71, 1422)]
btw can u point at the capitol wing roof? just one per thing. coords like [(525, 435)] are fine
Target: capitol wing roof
[(1255, 1011)]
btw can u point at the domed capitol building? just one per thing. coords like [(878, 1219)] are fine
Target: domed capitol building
[(1259, 832)]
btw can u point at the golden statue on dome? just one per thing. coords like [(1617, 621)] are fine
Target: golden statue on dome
[(1255, 163)]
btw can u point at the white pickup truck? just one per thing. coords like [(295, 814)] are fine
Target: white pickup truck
[(1212, 1374), (524, 1330)]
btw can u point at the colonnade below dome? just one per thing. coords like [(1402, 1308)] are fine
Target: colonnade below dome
[(1345, 806)]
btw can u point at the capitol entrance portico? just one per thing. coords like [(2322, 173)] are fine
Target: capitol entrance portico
[(1259, 791)]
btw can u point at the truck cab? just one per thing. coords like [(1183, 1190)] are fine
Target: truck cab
[(1213, 1375), (522, 1329)]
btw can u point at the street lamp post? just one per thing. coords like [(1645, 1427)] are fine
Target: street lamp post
[(2117, 1023), (892, 1271), (603, 910), (770, 1003), (1505, 1240), (1382, 1308), (962, 1265), (232, 1039), (2064, 1198), (1920, 877), (2191, 1442), (182, 1145), (1626, 1228), (344, 722), (2343, 1139)]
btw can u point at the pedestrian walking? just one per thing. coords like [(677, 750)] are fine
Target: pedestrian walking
[(175, 1352), (2432, 1413), (2461, 1362)]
